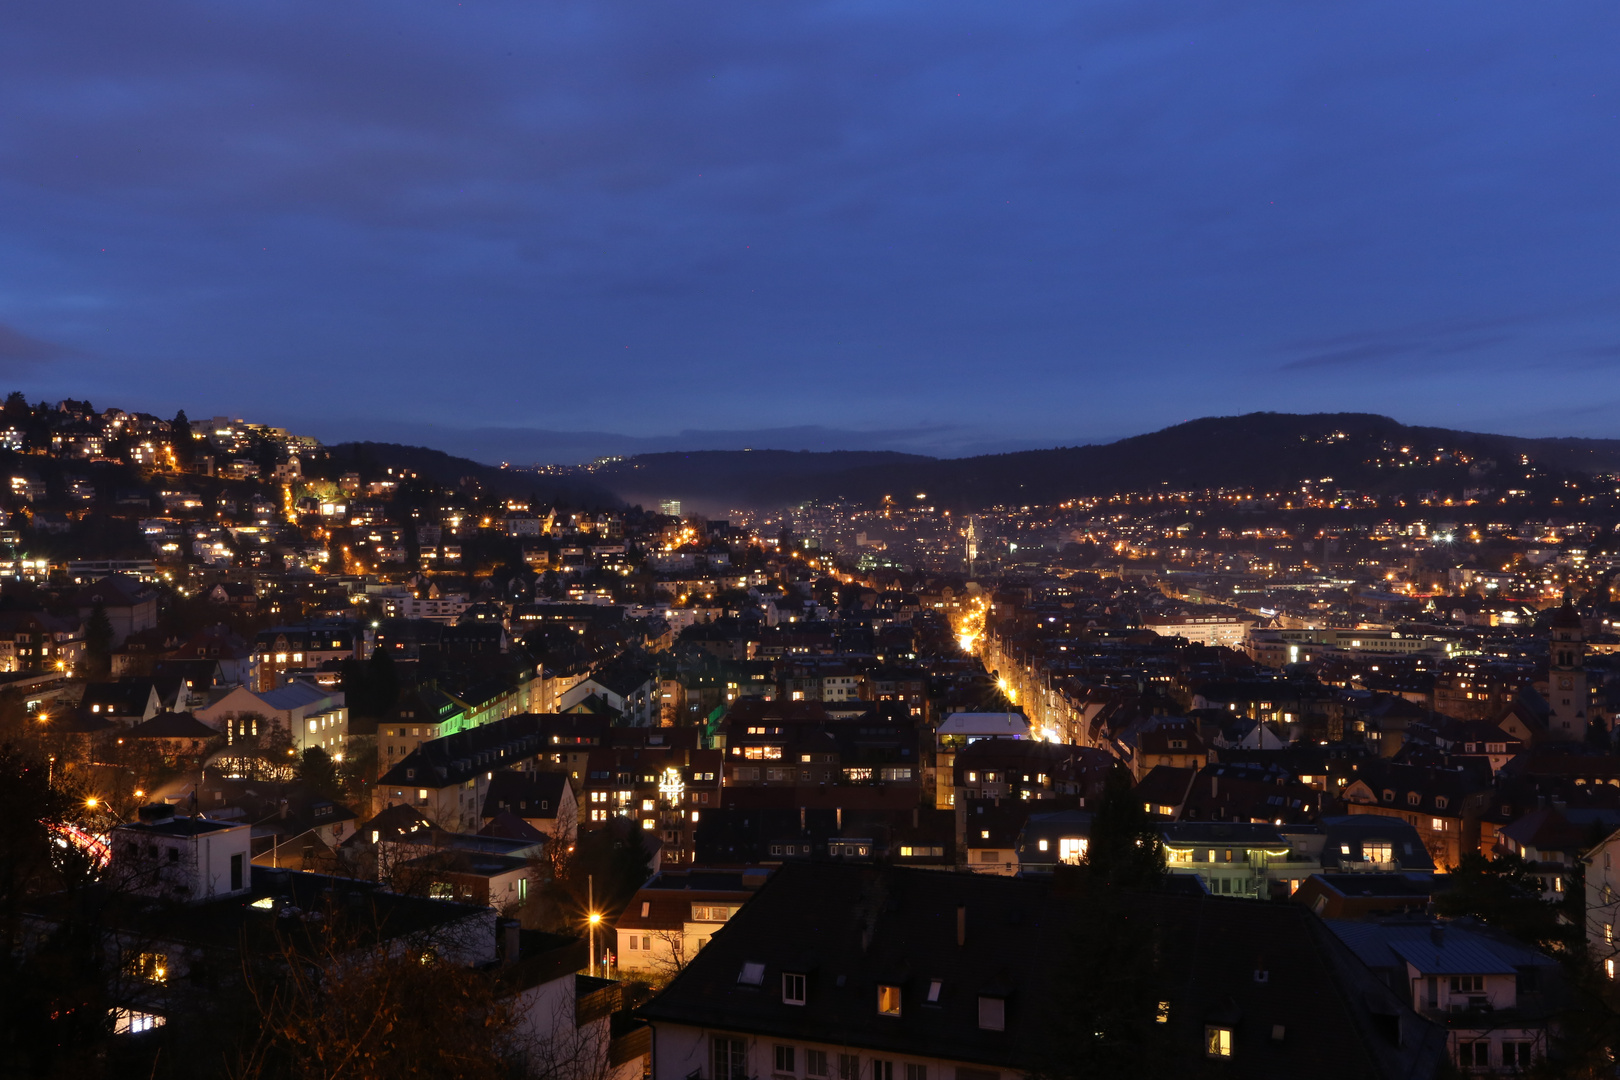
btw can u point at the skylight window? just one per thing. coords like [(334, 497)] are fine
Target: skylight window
[(934, 988), (752, 974)]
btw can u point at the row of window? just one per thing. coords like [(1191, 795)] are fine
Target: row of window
[(730, 1058), (1477, 1055), (990, 778)]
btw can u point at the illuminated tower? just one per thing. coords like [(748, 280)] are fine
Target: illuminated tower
[(1566, 677), (972, 545)]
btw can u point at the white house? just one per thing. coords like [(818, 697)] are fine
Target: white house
[(312, 716)]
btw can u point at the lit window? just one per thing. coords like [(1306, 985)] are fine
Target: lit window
[(1218, 1042), (149, 967), (888, 1001), (131, 1022), (1041, 845), (1163, 1014)]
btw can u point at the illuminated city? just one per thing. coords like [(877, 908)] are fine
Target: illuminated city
[(809, 542)]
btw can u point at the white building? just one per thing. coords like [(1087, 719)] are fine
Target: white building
[(311, 715)]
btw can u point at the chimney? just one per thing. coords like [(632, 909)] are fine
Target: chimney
[(156, 814), (961, 925), (511, 950), (1437, 935), (1214, 786)]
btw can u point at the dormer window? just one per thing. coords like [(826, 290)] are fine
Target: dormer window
[(992, 1013), (792, 988), (1439, 802), (1389, 796), (888, 1003), (1413, 798)]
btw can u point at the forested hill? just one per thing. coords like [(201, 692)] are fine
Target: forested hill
[(1259, 452)]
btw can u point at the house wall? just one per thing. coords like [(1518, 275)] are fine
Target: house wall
[(680, 1051)]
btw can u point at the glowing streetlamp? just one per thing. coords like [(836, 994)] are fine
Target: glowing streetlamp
[(593, 918)]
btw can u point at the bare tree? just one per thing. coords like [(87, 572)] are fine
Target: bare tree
[(337, 999)]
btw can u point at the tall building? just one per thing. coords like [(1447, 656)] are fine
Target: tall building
[(1566, 677)]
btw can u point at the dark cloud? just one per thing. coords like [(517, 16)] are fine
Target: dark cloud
[(1040, 221), (525, 446), (18, 349)]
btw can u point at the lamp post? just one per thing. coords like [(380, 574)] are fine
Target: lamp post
[(591, 919)]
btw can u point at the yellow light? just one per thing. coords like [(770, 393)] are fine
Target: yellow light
[(91, 802), (595, 918)]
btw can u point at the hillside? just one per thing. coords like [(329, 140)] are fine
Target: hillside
[(1259, 451), (717, 480), (370, 459)]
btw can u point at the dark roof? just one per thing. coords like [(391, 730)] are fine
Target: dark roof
[(1165, 785), (1353, 831), (356, 912), (525, 795), (115, 590), (454, 759), (118, 698), (180, 826), (849, 929), (506, 825), (1378, 885), (172, 725)]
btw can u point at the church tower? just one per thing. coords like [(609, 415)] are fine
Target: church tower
[(1566, 677)]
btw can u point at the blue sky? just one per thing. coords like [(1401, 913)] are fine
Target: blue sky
[(941, 226)]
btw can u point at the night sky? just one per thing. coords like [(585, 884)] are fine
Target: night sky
[(933, 225)]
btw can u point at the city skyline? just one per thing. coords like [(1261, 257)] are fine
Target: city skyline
[(887, 222)]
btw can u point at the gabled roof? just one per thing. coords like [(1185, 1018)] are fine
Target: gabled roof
[(1165, 785), (506, 825), (293, 695), (999, 725), (172, 725)]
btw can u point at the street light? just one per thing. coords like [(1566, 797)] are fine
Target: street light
[(591, 920)]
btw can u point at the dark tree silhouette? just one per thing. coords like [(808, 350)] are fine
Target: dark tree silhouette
[(98, 642)]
